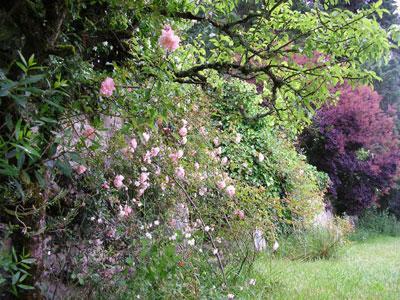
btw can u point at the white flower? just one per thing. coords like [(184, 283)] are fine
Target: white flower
[(231, 296), (156, 223), (238, 138), (187, 235), (207, 228), (215, 251), (275, 246), (148, 235), (252, 281), (173, 237), (260, 157), (191, 242)]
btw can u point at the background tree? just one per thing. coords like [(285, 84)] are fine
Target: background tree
[(354, 142)]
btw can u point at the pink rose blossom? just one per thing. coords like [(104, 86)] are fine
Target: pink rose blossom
[(133, 144), (154, 151), (157, 171), (125, 211), (224, 160), (118, 181), (203, 131), (216, 142), (239, 213), (230, 190), (218, 151), (202, 191), (183, 131), (196, 165), (107, 87), (176, 155), (184, 122), (89, 132), (168, 40), (144, 176), (180, 172), (147, 157), (146, 137), (80, 169), (221, 184), (105, 185)]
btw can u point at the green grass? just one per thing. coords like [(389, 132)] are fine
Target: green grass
[(363, 270)]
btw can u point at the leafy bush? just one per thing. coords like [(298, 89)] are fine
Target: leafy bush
[(354, 142), (289, 189)]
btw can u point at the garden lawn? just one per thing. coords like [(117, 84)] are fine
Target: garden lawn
[(363, 270)]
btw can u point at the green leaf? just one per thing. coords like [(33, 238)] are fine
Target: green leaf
[(15, 278), (25, 287)]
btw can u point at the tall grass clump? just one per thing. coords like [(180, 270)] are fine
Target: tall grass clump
[(315, 242)]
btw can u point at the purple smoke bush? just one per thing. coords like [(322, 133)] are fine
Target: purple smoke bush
[(354, 142)]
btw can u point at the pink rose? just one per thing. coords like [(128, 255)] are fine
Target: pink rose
[(118, 181), (80, 169), (196, 165), (157, 171), (105, 185), (89, 132), (133, 144), (107, 87), (168, 40), (216, 142), (239, 213), (125, 211), (221, 184), (203, 131), (180, 172), (147, 157), (146, 137), (154, 151), (176, 155), (144, 176), (183, 131), (224, 160), (202, 191), (230, 190)]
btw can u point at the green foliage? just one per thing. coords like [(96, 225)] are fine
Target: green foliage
[(14, 273), (290, 190), (311, 243), (374, 222)]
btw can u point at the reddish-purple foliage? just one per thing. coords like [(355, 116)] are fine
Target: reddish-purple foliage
[(354, 142)]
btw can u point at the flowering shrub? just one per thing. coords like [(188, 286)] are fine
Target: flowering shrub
[(285, 189)]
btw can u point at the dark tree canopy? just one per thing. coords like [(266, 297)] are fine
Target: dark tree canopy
[(354, 142)]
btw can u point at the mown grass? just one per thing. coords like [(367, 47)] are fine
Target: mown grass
[(363, 270)]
